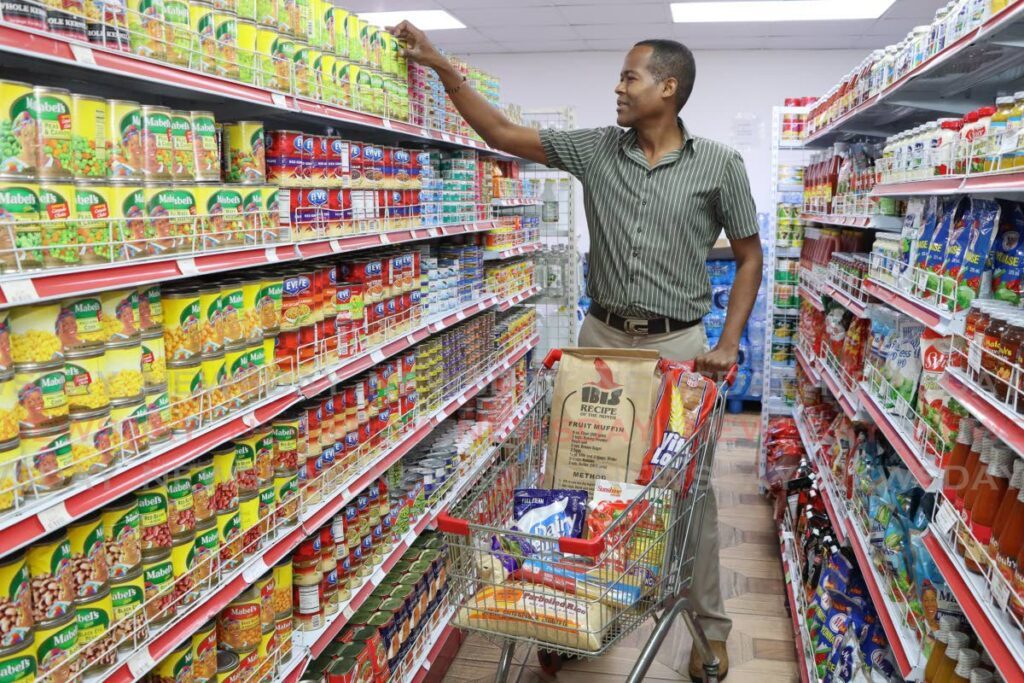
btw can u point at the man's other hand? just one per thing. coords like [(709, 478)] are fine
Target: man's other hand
[(418, 47), (717, 361)]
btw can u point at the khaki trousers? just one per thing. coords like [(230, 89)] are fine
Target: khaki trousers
[(706, 593)]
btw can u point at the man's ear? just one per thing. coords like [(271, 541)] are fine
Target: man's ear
[(669, 88)]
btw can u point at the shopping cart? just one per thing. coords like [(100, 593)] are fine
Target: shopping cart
[(579, 597)]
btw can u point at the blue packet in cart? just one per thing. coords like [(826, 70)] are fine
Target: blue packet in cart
[(540, 512)]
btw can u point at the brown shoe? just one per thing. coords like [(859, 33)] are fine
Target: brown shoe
[(697, 666)]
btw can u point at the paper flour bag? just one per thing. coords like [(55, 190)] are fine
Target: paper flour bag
[(600, 416)]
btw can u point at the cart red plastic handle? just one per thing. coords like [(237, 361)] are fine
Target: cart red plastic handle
[(587, 547), (452, 525), (691, 366), (554, 355)]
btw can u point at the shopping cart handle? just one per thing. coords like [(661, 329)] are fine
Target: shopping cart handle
[(554, 355), (452, 525), (587, 547), (691, 366), (730, 377)]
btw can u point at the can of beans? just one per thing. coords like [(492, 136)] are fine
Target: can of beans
[(127, 594), (95, 617), (204, 652), (227, 666), (229, 533), (49, 566), (158, 582), (89, 572), (56, 642), (183, 560), (181, 517), (205, 149), (179, 666), (207, 548), (286, 498), (158, 413), (16, 628), (153, 515), (243, 152), (157, 145), (121, 523)]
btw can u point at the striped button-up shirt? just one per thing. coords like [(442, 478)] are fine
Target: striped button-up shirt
[(651, 229)]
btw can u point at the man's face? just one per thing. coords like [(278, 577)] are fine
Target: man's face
[(639, 95)]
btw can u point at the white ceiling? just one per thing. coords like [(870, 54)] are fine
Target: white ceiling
[(495, 26)]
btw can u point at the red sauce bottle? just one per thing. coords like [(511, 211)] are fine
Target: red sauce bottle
[(975, 477), (1006, 507), (991, 491)]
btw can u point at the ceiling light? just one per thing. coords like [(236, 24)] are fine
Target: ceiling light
[(778, 10), (426, 20)]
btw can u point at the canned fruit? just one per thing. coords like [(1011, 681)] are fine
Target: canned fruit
[(18, 129)]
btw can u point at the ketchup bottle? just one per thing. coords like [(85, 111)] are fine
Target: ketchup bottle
[(977, 466), (1007, 505), (954, 482), (991, 490)]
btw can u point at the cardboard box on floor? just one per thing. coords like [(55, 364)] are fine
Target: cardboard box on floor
[(600, 416)]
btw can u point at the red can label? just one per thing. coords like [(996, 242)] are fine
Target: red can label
[(284, 155), (356, 162)]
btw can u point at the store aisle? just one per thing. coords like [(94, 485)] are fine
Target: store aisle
[(761, 647)]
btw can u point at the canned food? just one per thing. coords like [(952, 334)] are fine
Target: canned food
[(19, 208), (226, 34), (92, 441), (269, 304), (85, 384), (283, 630), (267, 505), (56, 642), (205, 150), (42, 400), (49, 566), (282, 599), (221, 219), (182, 327), (250, 315), (275, 54), (243, 155), (157, 146), (158, 409), (46, 452), (265, 655), (121, 524), (16, 627), (127, 595), (215, 376), (185, 389), (272, 378), (88, 569), (207, 547), (92, 216), (183, 559), (17, 104), (53, 122), (302, 65), (212, 319), (89, 136), (227, 666), (284, 156), (229, 534), (120, 315), (152, 503), (32, 333), (286, 488), (298, 300), (124, 370), (170, 218), (238, 624), (204, 652), (177, 667), (246, 42), (158, 582), (177, 31), (124, 134), (151, 309), (58, 236), (94, 617), (266, 12), (130, 418), (146, 30), (181, 516), (249, 522), (203, 478), (252, 213), (154, 359), (241, 374)]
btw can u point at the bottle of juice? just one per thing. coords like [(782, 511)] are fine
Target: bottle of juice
[(982, 139), (986, 505), (955, 641), (947, 625), (977, 477), (1007, 506), (966, 662), (998, 133), (953, 476)]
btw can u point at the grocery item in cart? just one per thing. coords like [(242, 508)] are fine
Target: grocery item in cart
[(599, 419)]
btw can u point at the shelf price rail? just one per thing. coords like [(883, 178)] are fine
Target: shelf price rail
[(39, 517), (144, 658)]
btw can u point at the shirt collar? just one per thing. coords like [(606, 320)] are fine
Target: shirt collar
[(632, 148)]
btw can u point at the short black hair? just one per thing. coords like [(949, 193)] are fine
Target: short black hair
[(672, 59)]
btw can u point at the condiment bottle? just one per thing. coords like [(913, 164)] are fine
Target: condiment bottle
[(990, 357), (1007, 505), (966, 148), (953, 479), (997, 133), (961, 345), (966, 662), (958, 493), (946, 146), (974, 351), (1012, 566), (954, 642), (982, 139), (986, 505), (947, 625), (1009, 349), (976, 475)]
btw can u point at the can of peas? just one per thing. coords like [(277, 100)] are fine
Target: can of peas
[(89, 136), (53, 112)]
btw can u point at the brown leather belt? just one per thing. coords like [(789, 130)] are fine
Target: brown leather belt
[(639, 326)]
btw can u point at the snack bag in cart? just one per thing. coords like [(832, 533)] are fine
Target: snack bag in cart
[(685, 401)]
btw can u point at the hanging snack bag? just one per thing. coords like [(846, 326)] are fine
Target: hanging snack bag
[(973, 277), (956, 249), (952, 215), (913, 221), (1008, 256), (924, 242), (599, 419)]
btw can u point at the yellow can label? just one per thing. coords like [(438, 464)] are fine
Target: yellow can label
[(18, 113), (243, 153), (89, 136), (92, 216), (205, 148), (124, 371), (94, 619), (33, 338), (247, 47), (212, 316), (154, 361), (182, 330), (185, 382), (120, 311), (8, 412), (126, 596), (42, 399)]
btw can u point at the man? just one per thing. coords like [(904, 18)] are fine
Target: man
[(656, 199)]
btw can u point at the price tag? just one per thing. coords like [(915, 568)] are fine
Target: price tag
[(446, 137), (424, 133), (377, 356), (946, 518), (272, 256), (346, 494), (187, 266), (83, 54), (19, 291), (378, 576), (1000, 592), (347, 612), (384, 239), (335, 246), (249, 420), (434, 232), (279, 100), (386, 123), (54, 517), (333, 376), (141, 663), (460, 315), (253, 572), (410, 339)]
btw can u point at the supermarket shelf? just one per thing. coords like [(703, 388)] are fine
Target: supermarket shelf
[(834, 506), (855, 306), (887, 223), (849, 404), (785, 188), (777, 406), (440, 642), (33, 522), (92, 69), (162, 645), (797, 606), (433, 641), (810, 366), (904, 647), (56, 284), (941, 321), (513, 252), (519, 298), (1006, 182), (982, 62), (789, 252), (786, 311), (997, 633), (911, 454), (810, 295), (511, 202), (996, 417)]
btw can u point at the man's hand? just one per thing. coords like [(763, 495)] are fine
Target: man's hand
[(418, 47), (718, 361)]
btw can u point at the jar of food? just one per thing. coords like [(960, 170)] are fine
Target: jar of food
[(203, 478), (181, 515), (16, 626), (96, 649), (158, 409), (286, 498), (229, 533), (204, 652), (127, 595), (121, 523), (154, 359), (156, 532), (92, 442), (185, 388), (177, 667), (249, 523), (130, 418), (89, 573), (207, 548), (33, 333), (307, 596), (123, 365), (282, 599), (56, 643), (225, 483), (42, 397), (49, 566), (85, 382), (238, 624), (227, 666), (158, 578)]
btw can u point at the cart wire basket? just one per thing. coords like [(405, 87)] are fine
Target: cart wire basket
[(579, 597)]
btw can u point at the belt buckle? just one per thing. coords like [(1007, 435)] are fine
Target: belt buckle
[(636, 326)]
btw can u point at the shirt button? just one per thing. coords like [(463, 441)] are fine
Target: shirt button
[(636, 252), (643, 203)]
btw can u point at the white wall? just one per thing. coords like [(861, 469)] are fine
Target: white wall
[(731, 85)]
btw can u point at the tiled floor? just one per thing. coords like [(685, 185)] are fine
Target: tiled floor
[(761, 645)]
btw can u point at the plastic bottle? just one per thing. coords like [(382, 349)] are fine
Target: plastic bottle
[(955, 642), (986, 505), (953, 483), (1015, 126), (549, 206), (964, 145), (981, 10), (947, 143), (947, 625), (998, 132), (975, 467), (1006, 507), (937, 39), (981, 139), (966, 661), (920, 45)]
